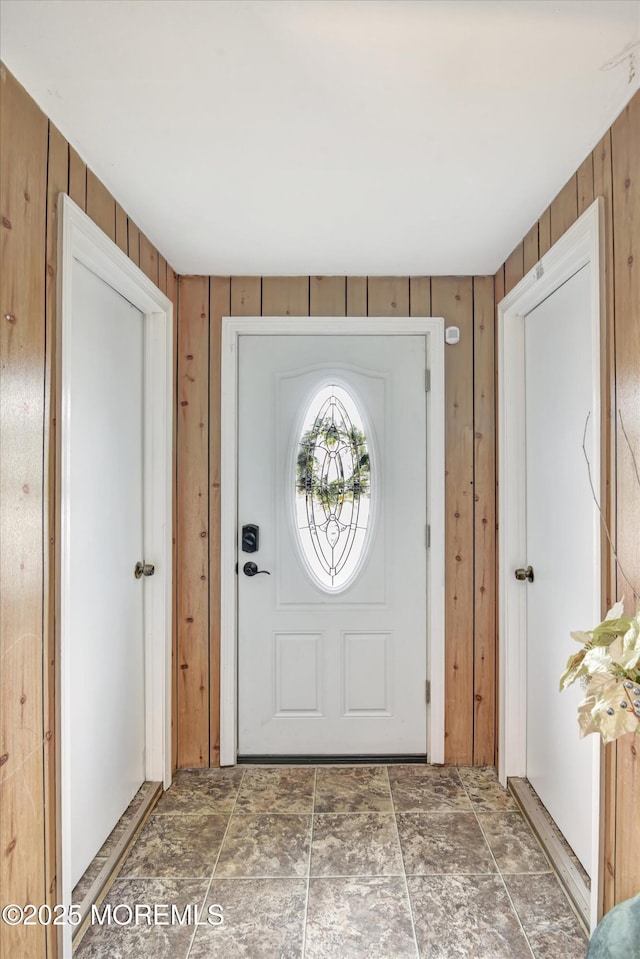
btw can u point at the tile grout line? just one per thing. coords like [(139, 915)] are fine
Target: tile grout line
[(498, 870), (306, 900), (404, 871), (206, 895)]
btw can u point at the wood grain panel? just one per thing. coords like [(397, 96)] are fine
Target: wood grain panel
[(625, 153), (148, 259), (388, 296), (134, 242), (172, 293), (219, 306), (514, 268), (193, 525), (452, 297), (162, 274), (285, 296), (530, 248), (57, 183), (544, 232), (246, 296), (585, 184), (77, 179), (328, 296), (420, 296), (356, 296), (484, 629), (603, 186), (23, 181), (564, 209), (101, 206), (498, 286), (122, 229)]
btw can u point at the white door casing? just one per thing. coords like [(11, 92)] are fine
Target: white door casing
[(83, 247), (579, 247), (233, 330)]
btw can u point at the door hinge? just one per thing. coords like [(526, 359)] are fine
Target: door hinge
[(428, 691), (427, 380), (427, 536)]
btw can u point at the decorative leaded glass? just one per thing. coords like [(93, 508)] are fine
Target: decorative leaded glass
[(333, 487)]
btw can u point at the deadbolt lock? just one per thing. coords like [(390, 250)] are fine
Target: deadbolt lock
[(144, 569), (522, 574)]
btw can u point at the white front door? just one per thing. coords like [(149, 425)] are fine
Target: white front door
[(561, 546), (105, 713), (332, 644)]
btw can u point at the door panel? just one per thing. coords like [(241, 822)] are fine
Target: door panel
[(321, 671), (560, 547), (106, 706)]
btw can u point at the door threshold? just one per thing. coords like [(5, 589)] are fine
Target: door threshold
[(324, 760), (571, 874)]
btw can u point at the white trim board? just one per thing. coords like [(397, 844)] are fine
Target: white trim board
[(232, 329), (80, 239), (580, 245)]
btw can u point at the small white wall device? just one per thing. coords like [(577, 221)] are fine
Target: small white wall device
[(452, 335)]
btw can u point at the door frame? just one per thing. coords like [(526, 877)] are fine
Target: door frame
[(80, 239), (232, 329), (582, 244)]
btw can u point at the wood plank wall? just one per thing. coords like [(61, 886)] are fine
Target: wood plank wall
[(36, 164), (467, 302), (612, 171)]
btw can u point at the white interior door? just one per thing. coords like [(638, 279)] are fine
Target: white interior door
[(332, 644), (561, 546), (105, 540)]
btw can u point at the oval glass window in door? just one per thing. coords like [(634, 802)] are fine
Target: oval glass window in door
[(333, 488)]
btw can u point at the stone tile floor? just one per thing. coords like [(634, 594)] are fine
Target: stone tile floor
[(339, 862)]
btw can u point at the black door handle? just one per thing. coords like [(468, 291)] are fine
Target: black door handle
[(251, 569)]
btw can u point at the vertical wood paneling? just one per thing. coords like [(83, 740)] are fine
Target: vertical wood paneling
[(602, 178), (388, 296), (246, 296), (57, 182), (193, 526), (122, 229), (172, 293), (77, 179), (134, 242), (285, 296), (564, 209), (498, 287), (36, 165), (585, 184), (420, 296), (544, 232), (514, 268), (23, 179), (356, 296), (530, 248), (452, 297), (625, 153), (101, 206), (162, 274), (148, 259), (484, 695), (220, 305), (328, 296)]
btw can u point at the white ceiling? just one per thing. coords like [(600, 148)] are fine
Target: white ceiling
[(329, 136)]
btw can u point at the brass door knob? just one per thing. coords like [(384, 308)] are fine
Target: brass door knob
[(522, 574), (144, 569)]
